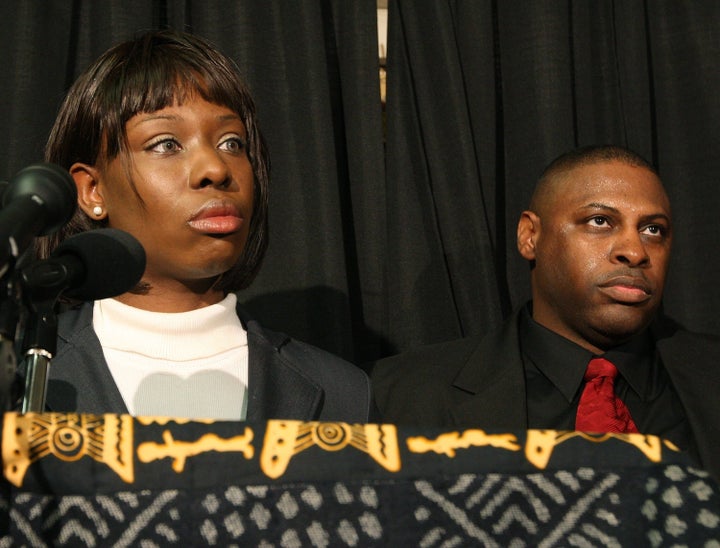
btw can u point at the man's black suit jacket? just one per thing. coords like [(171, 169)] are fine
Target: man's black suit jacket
[(479, 381), (287, 378)]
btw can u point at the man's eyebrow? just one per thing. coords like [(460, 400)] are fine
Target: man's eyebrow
[(657, 217), (599, 205)]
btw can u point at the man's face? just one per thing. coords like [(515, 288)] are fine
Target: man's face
[(601, 246)]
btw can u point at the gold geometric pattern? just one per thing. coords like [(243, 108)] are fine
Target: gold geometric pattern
[(109, 439), (447, 444), (68, 437), (541, 443), (181, 450), (284, 439)]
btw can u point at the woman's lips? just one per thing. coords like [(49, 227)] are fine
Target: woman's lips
[(216, 219)]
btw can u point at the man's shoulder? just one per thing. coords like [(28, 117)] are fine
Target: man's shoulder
[(413, 387), (667, 331), (441, 362), (436, 358), (683, 347)]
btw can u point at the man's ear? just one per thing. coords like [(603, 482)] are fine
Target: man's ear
[(90, 198), (528, 231)]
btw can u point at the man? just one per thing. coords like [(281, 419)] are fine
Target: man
[(597, 236)]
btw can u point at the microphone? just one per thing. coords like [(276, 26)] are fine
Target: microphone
[(88, 266), (91, 265), (38, 201)]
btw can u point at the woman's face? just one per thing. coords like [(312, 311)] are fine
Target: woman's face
[(190, 166)]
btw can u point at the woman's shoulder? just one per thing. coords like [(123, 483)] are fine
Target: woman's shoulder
[(307, 357)]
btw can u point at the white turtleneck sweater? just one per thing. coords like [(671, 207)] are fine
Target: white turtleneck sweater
[(188, 364)]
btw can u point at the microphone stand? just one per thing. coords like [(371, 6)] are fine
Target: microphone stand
[(39, 345), (40, 340)]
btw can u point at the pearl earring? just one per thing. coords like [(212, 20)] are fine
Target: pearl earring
[(97, 211)]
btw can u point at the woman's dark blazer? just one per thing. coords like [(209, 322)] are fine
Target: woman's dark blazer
[(288, 379)]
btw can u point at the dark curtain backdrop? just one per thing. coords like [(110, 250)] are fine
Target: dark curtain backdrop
[(312, 66), (483, 94), (395, 228)]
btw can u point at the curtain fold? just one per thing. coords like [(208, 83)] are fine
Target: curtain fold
[(312, 67), (389, 230), (482, 95), (442, 282)]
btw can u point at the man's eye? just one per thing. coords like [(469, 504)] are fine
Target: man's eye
[(599, 221), (654, 230)]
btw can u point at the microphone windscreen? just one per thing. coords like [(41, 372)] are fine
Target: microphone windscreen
[(48, 184), (114, 262)]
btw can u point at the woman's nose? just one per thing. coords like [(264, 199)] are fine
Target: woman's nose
[(209, 168)]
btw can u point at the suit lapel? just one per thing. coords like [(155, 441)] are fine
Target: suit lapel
[(691, 361), (79, 376), (277, 389), (490, 387)]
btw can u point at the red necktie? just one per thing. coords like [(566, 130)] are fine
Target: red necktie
[(599, 409)]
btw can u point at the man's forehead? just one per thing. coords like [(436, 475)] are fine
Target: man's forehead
[(609, 182)]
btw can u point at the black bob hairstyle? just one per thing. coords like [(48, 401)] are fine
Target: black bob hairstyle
[(148, 73)]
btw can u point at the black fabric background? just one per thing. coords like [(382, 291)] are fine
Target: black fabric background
[(396, 227)]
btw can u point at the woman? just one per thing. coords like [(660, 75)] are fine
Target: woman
[(160, 137)]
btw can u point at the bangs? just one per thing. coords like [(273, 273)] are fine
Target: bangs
[(155, 70), (169, 85), (155, 78)]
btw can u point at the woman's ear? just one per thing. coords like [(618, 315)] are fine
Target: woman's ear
[(528, 231), (90, 198)]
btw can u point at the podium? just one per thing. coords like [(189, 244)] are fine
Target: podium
[(100, 480)]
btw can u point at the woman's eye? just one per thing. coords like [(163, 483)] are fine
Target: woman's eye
[(234, 144), (165, 146)]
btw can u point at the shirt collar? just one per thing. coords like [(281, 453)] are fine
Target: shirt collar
[(563, 362), (635, 361)]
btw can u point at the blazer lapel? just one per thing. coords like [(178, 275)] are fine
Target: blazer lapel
[(277, 389), (79, 379), (490, 387)]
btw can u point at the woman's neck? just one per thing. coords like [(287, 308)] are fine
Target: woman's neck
[(179, 297)]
